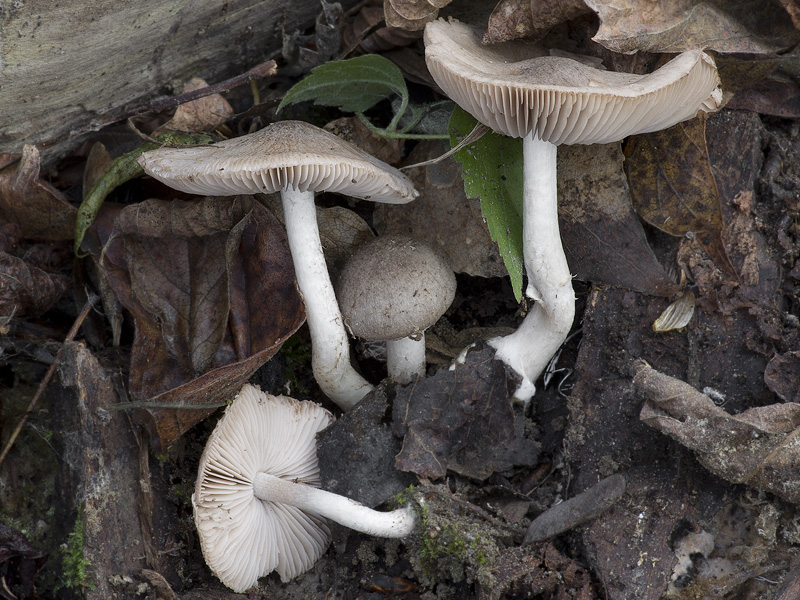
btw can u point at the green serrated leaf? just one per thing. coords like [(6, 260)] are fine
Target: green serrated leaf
[(354, 85), (492, 171)]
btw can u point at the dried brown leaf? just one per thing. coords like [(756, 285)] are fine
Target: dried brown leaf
[(461, 420), (411, 15), (203, 114), (673, 187), (603, 239), (381, 39), (26, 290), (753, 27), (782, 376), (465, 239), (211, 288), (759, 447), (40, 210), (514, 19)]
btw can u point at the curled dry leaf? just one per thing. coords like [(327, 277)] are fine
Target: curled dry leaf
[(412, 14), (40, 210), (203, 114), (515, 19), (26, 290), (381, 39), (460, 419), (629, 26), (211, 287), (759, 447)]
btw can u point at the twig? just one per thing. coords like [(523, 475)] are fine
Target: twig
[(90, 302)]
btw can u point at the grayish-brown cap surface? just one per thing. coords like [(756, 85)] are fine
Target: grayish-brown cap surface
[(244, 538), (283, 155), (393, 287), (515, 90)]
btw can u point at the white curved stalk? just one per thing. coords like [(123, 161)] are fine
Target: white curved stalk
[(330, 349), (394, 524), (405, 359), (547, 324)]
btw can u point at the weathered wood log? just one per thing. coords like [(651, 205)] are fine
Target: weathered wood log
[(64, 65)]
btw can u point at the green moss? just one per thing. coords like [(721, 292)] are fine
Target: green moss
[(74, 565), (297, 354)]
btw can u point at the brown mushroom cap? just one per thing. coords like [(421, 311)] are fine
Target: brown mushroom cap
[(287, 154), (393, 287), (244, 538), (515, 90)]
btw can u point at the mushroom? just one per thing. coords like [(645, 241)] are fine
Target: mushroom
[(296, 159), (551, 100), (392, 289), (257, 503)]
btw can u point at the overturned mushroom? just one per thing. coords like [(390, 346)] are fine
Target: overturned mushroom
[(550, 100), (392, 289), (257, 503), (296, 159)]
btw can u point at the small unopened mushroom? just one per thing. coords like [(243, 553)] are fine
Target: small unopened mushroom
[(297, 160), (392, 289), (257, 503), (515, 89)]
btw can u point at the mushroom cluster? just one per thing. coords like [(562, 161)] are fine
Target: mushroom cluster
[(257, 503), (517, 90), (297, 160)]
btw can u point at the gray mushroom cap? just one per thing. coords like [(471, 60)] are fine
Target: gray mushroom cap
[(283, 155), (244, 538), (516, 90), (394, 287)]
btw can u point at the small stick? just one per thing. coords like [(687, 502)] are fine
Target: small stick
[(90, 302)]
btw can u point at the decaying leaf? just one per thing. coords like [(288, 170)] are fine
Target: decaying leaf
[(673, 187), (751, 27), (461, 420), (26, 290), (354, 131), (203, 114), (211, 287), (514, 19), (603, 239), (381, 39), (465, 237), (782, 376), (412, 14), (759, 447), (40, 210)]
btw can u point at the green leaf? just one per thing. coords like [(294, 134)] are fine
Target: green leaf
[(354, 85), (492, 171)]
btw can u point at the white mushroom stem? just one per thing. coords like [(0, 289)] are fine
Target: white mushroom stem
[(547, 324), (330, 350), (405, 359), (394, 524)]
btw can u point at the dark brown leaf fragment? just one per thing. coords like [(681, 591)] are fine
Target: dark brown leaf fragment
[(782, 376), (40, 210), (461, 419), (26, 290), (514, 19)]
